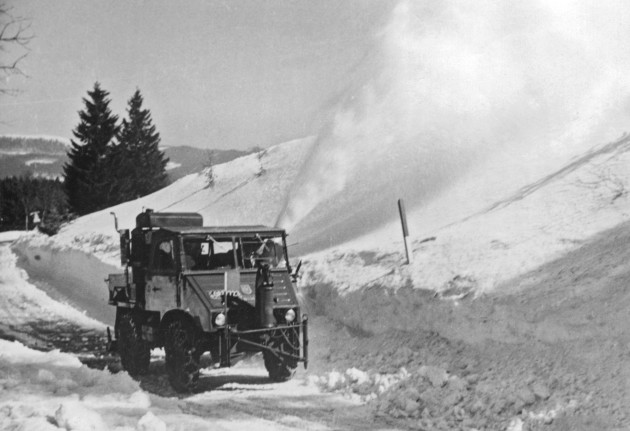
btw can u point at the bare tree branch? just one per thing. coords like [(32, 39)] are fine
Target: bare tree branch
[(15, 35)]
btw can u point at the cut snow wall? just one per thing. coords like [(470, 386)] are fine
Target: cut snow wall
[(379, 310), (75, 276)]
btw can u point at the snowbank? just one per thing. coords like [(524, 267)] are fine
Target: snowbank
[(479, 252), (73, 275), (10, 236), (23, 303), (475, 256), (53, 390)]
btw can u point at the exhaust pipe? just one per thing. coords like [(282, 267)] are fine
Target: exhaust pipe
[(112, 345)]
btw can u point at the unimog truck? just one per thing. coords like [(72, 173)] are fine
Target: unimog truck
[(228, 291)]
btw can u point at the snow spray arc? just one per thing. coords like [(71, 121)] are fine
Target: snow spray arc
[(445, 85)]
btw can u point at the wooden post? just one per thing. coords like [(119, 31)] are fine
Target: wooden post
[(405, 229)]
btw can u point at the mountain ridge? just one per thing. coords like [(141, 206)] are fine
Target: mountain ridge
[(45, 156)]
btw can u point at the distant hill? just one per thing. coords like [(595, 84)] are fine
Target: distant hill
[(45, 156), (41, 156)]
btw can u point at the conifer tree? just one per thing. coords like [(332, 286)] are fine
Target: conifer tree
[(140, 162), (89, 179)]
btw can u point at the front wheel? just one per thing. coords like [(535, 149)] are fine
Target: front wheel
[(282, 368), (135, 352), (182, 356)]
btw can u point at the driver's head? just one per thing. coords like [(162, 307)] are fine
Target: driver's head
[(166, 247), (270, 251)]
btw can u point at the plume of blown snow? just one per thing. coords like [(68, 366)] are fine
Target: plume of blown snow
[(449, 85)]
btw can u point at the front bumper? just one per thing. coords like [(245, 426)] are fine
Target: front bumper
[(232, 337)]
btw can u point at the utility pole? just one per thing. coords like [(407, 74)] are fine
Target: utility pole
[(405, 229)]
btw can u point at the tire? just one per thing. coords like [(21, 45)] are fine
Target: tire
[(182, 356), (135, 352), (279, 367)]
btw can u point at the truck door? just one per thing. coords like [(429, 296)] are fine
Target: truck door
[(161, 286)]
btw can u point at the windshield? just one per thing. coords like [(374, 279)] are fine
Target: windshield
[(210, 253)]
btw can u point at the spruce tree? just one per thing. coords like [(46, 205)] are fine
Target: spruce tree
[(140, 162), (89, 180)]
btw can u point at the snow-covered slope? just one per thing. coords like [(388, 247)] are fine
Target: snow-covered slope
[(468, 251), (476, 251), (250, 189), (501, 154)]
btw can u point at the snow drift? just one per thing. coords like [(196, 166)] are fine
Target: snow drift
[(53, 390)]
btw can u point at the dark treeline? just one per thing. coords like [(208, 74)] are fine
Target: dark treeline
[(27, 202)]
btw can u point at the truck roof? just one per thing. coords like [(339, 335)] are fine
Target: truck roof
[(226, 230)]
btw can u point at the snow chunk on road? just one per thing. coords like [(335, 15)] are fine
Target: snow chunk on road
[(74, 416), (150, 422)]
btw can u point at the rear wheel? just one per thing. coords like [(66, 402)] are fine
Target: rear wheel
[(135, 352), (182, 356), (282, 368)]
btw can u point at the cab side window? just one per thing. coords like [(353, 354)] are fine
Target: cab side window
[(164, 256), (196, 253)]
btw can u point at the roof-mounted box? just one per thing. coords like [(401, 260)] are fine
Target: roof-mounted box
[(150, 219)]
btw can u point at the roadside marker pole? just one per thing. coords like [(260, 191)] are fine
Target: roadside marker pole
[(403, 222)]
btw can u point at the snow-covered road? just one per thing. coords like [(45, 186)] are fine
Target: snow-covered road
[(44, 389)]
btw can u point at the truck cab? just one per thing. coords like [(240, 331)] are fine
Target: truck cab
[(226, 290)]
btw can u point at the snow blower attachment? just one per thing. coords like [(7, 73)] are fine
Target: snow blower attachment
[(192, 289)]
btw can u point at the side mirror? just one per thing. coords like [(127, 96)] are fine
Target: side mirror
[(115, 221), (125, 247)]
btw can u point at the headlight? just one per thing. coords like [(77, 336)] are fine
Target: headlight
[(290, 316), (220, 319)]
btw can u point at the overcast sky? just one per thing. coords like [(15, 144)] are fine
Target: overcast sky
[(215, 74)]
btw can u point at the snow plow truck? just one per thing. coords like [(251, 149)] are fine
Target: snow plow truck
[(228, 291)]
